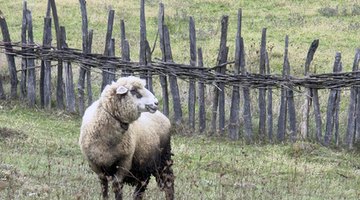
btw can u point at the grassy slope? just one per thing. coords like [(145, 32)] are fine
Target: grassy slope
[(40, 159)]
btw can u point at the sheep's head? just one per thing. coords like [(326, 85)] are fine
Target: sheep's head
[(143, 98), (127, 98)]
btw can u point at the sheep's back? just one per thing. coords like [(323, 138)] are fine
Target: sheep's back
[(152, 136), (151, 128)]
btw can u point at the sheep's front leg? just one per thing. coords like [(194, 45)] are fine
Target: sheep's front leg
[(140, 189), (165, 180), (104, 186), (118, 181), (118, 187)]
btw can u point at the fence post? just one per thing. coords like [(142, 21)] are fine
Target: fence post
[(292, 115), (31, 74), (304, 126), (201, 101), (69, 84), (283, 100), (163, 78), (215, 103), (317, 113), (42, 67), (23, 60), (145, 52), (105, 72), (269, 118), (336, 114), (262, 91), (148, 64), (353, 107), (332, 105), (47, 64), (142, 50), (59, 86), (82, 70), (10, 58), (235, 101), (88, 71), (173, 80), (290, 101), (247, 99), (125, 48), (357, 114), (192, 91), (223, 54), (219, 93), (112, 69)]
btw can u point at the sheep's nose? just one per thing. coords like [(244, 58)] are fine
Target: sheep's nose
[(156, 103)]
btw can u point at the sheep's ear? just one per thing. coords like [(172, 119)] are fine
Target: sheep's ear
[(121, 90)]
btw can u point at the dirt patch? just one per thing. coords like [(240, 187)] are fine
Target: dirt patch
[(7, 133), (16, 185)]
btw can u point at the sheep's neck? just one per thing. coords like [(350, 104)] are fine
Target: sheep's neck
[(123, 125)]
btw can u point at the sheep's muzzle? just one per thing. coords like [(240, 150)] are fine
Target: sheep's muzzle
[(151, 108)]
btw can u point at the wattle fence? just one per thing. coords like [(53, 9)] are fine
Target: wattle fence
[(291, 123)]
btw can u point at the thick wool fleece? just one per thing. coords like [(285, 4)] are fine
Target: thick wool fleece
[(139, 151), (151, 133), (102, 139)]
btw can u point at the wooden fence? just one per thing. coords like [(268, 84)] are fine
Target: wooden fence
[(288, 126)]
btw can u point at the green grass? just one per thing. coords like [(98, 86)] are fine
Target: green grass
[(40, 159)]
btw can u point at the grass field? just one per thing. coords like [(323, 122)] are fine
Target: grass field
[(40, 159), (39, 154)]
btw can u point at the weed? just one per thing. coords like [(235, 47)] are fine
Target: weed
[(328, 11)]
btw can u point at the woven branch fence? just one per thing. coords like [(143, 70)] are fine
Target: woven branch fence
[(238, 121)]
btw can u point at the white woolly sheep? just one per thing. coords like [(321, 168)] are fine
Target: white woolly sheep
[(126, 140)]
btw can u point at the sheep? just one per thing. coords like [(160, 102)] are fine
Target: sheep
[(126, 140)]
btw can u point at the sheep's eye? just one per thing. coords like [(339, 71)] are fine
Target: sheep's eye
[(136, 93)]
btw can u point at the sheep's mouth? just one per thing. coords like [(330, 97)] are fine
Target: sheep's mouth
[(151, 108)]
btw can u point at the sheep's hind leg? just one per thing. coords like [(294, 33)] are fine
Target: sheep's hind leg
[(140, 189), (165, 179)]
